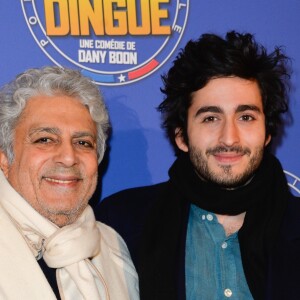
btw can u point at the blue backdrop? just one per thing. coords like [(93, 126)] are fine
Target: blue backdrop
[(126, 49)]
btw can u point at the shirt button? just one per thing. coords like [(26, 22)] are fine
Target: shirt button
[(224, 245), (203, 217), (209, 217), (228, 293)]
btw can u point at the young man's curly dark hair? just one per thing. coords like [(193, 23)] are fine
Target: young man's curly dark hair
[(210, 57)]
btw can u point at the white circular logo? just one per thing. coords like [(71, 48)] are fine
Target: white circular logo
[(112, 41), (293, 182)]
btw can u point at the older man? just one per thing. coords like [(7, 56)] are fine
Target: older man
[(53, 126)]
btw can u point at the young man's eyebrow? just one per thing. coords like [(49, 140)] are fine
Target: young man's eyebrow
[(217, 109), (244, 107), (204, 109)]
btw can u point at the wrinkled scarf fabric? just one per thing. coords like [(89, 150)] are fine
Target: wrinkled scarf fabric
[(264, 199), (70, 249)]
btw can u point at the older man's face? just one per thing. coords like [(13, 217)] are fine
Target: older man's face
[(55, 157)]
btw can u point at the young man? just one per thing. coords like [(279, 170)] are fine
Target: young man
[(53, 127), (217, 228)]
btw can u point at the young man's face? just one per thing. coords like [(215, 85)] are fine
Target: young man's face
[(55, 157), (226, 131)]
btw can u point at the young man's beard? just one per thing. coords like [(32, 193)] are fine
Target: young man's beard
[(225, 177)]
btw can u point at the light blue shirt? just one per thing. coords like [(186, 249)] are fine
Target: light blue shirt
[(213, 265)]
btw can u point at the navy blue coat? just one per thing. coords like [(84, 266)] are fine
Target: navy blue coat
[(127, 211)]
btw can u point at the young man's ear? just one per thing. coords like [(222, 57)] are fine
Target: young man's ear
[(268, 140), (179, 139), (4, 166)]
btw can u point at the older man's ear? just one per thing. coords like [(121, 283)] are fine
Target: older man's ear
[(4, 163)]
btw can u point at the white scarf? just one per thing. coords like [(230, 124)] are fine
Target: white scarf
[(70, 249)]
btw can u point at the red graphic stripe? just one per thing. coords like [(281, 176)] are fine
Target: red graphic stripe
[(144, 70)]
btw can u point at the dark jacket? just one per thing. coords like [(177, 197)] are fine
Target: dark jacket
[(127, 212)]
